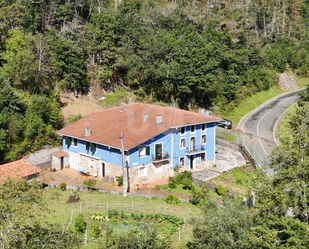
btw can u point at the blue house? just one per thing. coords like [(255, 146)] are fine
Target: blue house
[(156, 140)]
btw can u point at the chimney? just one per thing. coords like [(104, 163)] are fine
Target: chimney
[(145, 117), (87, 131), (206, 114), (159, 119)]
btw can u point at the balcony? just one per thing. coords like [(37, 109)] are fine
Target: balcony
[(157, 158), (193, 150)]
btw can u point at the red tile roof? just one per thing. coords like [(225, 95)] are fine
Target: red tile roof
[(60, 154), (17, 169), (107, 125)]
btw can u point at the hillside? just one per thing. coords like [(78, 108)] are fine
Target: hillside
[(191, 53)]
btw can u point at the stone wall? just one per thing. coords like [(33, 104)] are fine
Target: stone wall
[(42, 156)]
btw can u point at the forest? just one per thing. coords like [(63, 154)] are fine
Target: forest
[(191, 53)]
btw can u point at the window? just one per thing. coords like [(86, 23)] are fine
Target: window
[(192, 128), (204, 127), (183, 130), (203, 139), (142, 171), (143, 151), (158, 168), (158, 119), (181, 161), (91, 146), (182, 143), (74, 142), (68, 141), (203, 157)]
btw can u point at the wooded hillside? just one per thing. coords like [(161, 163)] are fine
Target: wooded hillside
[(194, 53)]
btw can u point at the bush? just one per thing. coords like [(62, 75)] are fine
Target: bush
[(220, 189), (172, 182), (90, 183), (74, 197), (157, 187), (79, 224), (199, 195), (54, 169), (187, 183), (238, 181), (96, 231), (120, 180), (171, 199), (63, 186)]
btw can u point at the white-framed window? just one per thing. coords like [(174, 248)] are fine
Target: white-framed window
[(91, 146), (182, 143), (192, 129), (142, 171), (204, 139), (182, 161), (203, 157), (183, 130), (143, 151), (204, 127), (158, 168), (74, 142)]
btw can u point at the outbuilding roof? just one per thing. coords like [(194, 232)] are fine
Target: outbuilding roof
[(17, 169), (137, 122)]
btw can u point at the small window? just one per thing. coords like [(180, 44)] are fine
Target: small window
[(182, 143), (142, 171), (158, 168), (91, 146), (181, 161), (203, 127), (158, 119), (68, 141), (74, 142), (143, 151), (204, 139), (192, 128), (183, 130), (203, 157)]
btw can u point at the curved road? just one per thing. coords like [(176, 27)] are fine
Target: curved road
[(260, 126)]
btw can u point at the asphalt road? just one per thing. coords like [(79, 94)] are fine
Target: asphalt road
[(260, 126)]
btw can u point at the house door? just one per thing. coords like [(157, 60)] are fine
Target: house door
[(192, 144), (192, 161), (158, 151), (103, 169), (61, 162)]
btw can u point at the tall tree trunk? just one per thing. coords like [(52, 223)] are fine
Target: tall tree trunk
[(264, 20), (290, 26), (274, 17)]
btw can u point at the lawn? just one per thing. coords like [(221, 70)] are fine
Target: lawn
[(238, 179), (60, 211)]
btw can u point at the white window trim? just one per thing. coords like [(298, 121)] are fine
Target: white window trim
[(185, 143), (184, 161), (138, 154), (202, 139), (72, 142), (145, 172), (205, 127), (190, 142), (182, 134), (194, 129)]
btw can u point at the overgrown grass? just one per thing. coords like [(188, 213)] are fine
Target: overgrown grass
[(250, 104), (238, 179), (284, 129), (302, 81), (116, 98), (226, 135)]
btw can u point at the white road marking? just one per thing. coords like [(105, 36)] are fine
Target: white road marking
[(274, 131), (257, 128)]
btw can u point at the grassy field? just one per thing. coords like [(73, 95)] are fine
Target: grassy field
[(226, 135), (60, 211), (238, 179)]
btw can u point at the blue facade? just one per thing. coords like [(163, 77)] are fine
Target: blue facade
[(171, 146)]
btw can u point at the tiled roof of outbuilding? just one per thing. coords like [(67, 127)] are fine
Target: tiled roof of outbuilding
[(107, 125)]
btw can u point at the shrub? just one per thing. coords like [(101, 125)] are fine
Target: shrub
[(172, 182), (90, 183), (74, 197), (176, 168), (119, 180), (63, 186), (96, 231), (187, 183), (199, 195), (220, 189), (238, 181), (54, 169), (157, 187), (79, 224), (172, 199)]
